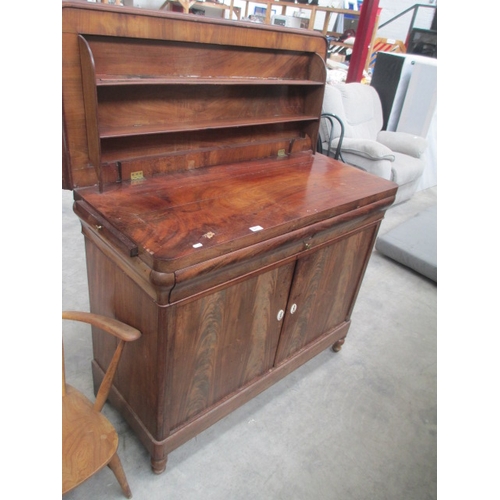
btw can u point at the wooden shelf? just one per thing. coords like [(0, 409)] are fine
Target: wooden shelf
[(117, 80), (200, 125)]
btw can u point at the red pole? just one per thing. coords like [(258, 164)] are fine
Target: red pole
[(364, 33)]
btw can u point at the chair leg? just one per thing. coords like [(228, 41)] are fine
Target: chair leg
[(116, 466)]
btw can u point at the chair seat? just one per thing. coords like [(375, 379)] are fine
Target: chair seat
[(89, 440)]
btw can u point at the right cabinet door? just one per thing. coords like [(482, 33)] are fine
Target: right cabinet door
[(324, 289)]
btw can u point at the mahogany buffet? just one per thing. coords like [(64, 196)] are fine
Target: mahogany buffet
[(210, 223)]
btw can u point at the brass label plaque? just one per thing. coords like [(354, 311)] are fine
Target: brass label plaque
[(135, 176)]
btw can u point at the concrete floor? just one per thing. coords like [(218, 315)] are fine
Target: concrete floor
[(356, 425)]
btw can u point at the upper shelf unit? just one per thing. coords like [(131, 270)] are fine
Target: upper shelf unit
[(161, 99)]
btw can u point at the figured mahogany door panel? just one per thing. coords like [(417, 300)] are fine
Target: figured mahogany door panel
[(324, 289), (223, 341)]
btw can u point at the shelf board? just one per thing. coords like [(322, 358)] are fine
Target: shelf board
[(118, 80), (183, 127)]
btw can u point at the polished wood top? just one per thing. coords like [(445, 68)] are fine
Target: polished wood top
[(190, 216)]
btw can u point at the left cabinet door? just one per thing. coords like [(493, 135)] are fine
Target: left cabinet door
[(224, 340)]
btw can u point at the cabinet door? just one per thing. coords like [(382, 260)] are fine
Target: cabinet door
[(224, 340), (324, 289)]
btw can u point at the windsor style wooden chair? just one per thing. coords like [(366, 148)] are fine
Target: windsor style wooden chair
[(89, 441)]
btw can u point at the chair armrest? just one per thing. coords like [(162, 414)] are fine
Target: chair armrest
[(124, 332), (114, 327), (372, 150), (402, 142)]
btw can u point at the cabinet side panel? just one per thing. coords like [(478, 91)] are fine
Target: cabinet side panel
[(225, 340), (325, 286), (82, 172), (114, 294)]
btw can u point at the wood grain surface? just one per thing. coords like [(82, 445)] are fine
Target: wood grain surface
[(184, 218)]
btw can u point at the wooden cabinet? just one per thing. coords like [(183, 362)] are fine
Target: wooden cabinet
[(210, 224)]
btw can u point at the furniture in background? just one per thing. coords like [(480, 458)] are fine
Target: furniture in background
[(407, 86), (414, 243), (209, 222), (319, 18), (89, 441), (396, 156), (195, 7), (383, 45), (422, 41)]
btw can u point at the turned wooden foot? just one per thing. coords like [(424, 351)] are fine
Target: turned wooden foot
[(338, 345), (159, 466)]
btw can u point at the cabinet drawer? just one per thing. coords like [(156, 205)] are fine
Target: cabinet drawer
[(236, 266)]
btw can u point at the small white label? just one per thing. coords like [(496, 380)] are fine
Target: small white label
[(197, 245), (256, 228)]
